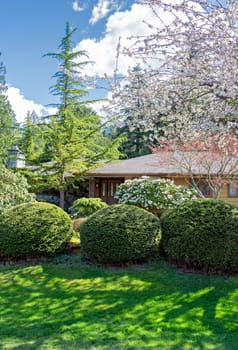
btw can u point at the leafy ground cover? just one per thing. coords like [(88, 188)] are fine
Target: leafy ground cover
[(64, 304)]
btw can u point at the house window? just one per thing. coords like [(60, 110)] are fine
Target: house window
[(112, 190), (103, 189), (232, 190)]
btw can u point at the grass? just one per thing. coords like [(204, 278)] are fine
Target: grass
[(72, 306)]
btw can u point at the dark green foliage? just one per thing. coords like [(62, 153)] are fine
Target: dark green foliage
[(83, 207), (119, 233), (202, 233), (34, 229), (138, 136)]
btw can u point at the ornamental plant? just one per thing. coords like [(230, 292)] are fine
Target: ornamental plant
[(202, 234), (13, 189), (120, 233), (34, 229), (84, 207), (153, 195)]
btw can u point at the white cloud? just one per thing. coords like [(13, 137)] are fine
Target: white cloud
[(119, 25), (101, 10), (98, 107), (21, 105), (76, 7)]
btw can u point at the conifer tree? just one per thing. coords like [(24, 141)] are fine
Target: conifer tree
[(74, 138), (31, 140)]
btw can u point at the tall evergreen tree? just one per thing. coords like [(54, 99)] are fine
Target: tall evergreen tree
[(74, 139), (138, 137)]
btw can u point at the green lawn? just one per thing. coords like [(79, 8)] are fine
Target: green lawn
[(52, 306)]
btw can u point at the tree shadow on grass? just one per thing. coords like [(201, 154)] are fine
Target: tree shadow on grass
[(156, 307)]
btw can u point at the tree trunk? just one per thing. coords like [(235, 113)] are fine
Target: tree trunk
[(217, 191), (61, 192)]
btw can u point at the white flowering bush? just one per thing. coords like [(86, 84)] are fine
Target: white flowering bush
[(153, 195)]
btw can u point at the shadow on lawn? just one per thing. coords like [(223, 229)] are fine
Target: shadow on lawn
[(58, 307)]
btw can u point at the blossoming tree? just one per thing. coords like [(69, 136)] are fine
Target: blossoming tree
[(207, 162), (189, 66)]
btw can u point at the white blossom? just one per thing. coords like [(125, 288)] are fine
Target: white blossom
[(153, 194), (188, 67)]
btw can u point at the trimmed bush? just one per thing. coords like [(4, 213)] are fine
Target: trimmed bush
[(84, 207), (119, 233), (34, 229), (202, 233)]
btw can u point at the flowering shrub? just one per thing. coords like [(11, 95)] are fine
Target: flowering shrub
[(153, 195)]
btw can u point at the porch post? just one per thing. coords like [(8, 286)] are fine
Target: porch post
[(91, 188)]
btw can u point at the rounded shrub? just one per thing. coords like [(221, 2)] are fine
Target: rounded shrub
[(202, 233), (84, 207), (34, 229), (119, 233)]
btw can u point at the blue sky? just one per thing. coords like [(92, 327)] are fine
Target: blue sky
[(32, 28)]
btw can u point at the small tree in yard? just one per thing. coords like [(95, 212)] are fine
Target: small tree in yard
[(213, 159)]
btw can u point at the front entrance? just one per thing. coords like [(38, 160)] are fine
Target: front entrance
[(108, 188)]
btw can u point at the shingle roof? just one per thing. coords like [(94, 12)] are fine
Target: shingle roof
[(162, 163), (153, 164)]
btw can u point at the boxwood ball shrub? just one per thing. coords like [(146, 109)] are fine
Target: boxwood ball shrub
[(34, 229), (202, 233), (119, 233)]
